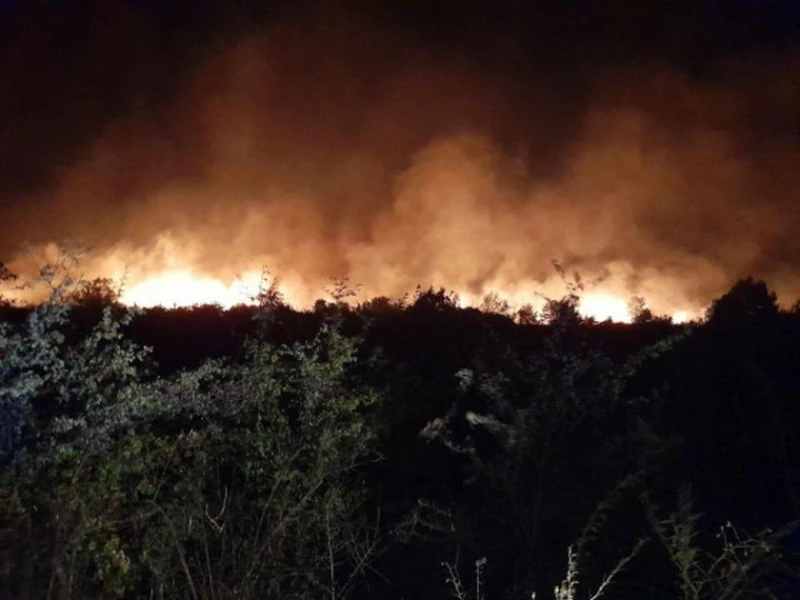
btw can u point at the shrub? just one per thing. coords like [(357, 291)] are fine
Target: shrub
[(231, 480)]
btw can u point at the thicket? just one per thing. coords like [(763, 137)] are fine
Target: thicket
[(397, 450)]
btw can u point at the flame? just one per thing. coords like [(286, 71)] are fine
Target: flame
[(179, 288), (405, 167), (683, 316), (184, 287), (167, 274), (604, 307)]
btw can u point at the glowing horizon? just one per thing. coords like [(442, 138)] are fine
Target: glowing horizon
[(293, 148), (184, 286), (181, 288)]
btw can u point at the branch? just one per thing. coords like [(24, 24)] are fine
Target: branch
[(620, 565)]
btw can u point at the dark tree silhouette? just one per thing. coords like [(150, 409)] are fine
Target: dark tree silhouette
[(97, 292), (5, 274), (434, 301), (748, 300)]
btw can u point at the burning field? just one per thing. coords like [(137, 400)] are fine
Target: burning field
[(332, 144)]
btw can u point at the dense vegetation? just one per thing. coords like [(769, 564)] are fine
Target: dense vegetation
[(397, 450)]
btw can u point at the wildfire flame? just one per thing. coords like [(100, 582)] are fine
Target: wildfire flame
[(166, 277), (605, 307), (184, 288), (295, 149)]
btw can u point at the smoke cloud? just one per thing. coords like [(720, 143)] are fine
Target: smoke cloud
[(326, 146)]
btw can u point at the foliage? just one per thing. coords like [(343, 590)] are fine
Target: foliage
[(116, 483), (8, 281), (747, 301), (493, 303), (99, 292), (557, 430), (738, 566), (432, 301), (295, 464), (551, 422), (55, 388), (639, 311)]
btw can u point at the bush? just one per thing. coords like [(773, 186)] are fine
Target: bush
[(232, 480)]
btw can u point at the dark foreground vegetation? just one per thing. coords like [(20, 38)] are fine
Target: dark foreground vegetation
[(397, 451)]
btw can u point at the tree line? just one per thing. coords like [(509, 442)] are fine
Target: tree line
[(396, 449)]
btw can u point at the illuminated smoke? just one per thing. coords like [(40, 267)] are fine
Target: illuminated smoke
[(340, 151)]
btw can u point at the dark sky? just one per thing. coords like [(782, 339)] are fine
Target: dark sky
[(70, 66), (674, 123)]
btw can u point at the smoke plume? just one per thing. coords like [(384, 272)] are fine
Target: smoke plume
[(327, 146)]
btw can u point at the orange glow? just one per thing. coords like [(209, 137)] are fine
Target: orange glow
[(682, 316), (168, 274), (182, 288), (295, 150), (602, 307)]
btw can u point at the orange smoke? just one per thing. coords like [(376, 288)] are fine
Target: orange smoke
[(331, 149)]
